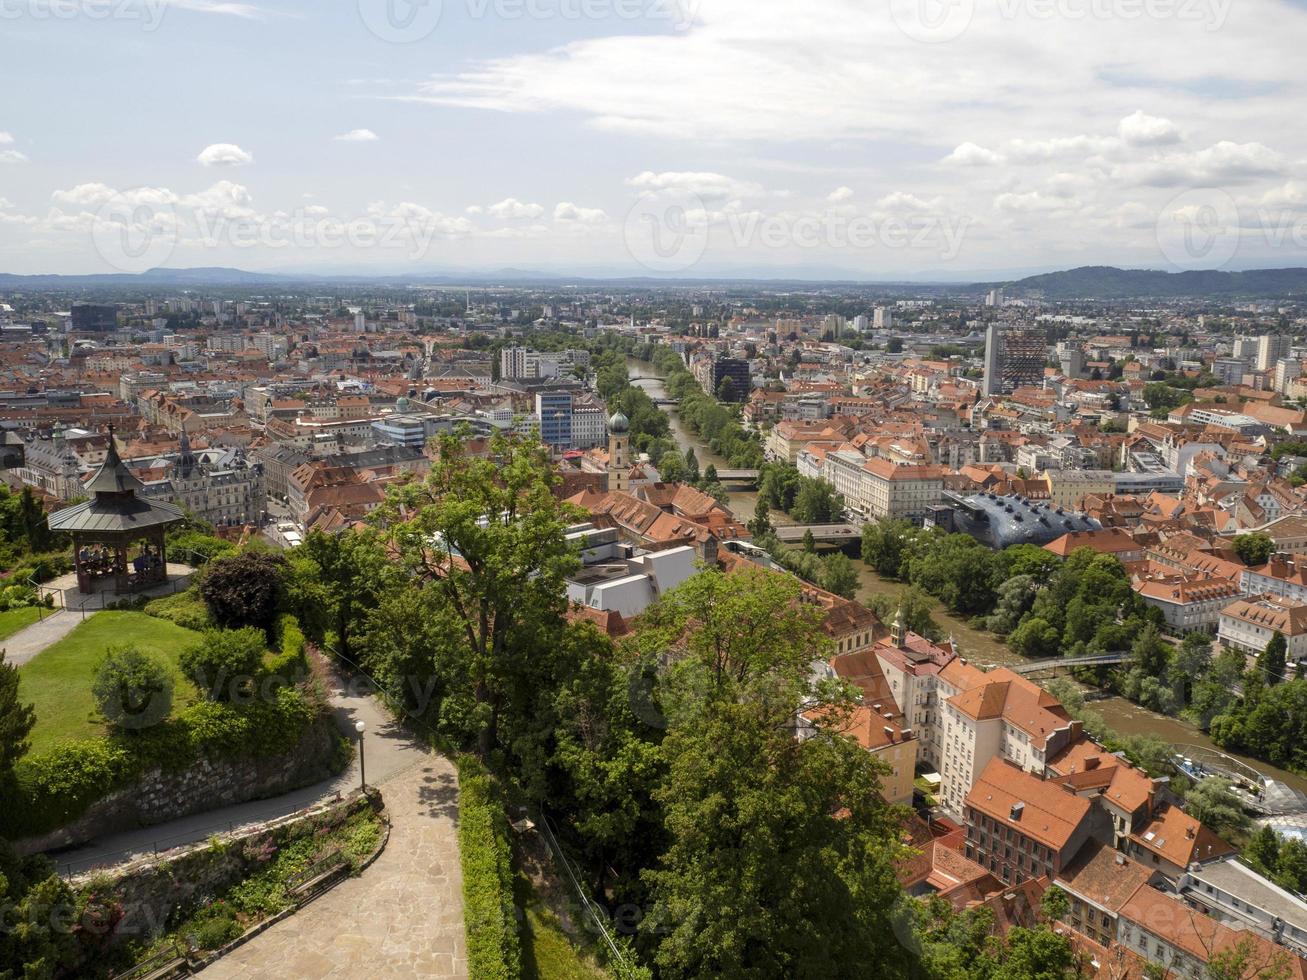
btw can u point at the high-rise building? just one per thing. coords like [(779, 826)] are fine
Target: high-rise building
[(554, 409), (1270, 348), (994, 297), (737, 370), (882, 318), (94, 317), (1072, 358), (860, 323), (1014, 358), (1286, 370), (1245, 349)]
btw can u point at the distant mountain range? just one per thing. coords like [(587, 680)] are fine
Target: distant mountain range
[(1104, 282), (1101, 282)]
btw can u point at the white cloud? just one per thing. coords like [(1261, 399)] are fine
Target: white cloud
[(567, 211), (511, 209), (972, 155), (224, 155), (1058, 147), (6, 138), (1032, 202), (1141, 129), (357, 136), (246, 11), (1225, 162), (839, 195), (703, 184), (12, 156)]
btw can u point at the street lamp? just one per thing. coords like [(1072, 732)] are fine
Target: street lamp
[(360, 726)]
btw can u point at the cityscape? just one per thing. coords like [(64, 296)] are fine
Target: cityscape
[(653, 490)]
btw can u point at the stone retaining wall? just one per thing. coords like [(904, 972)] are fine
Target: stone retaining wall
[(162, 795)]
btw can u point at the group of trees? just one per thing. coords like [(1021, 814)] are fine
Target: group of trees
[(701, 412), (1282, 859), (668, 761), (806, 499)]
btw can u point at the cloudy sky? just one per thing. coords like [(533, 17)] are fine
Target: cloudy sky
[(930, 139)]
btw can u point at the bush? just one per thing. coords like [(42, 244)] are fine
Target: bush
[(198, 548), (185, 609), (291, 662), (225, 664), (489, 913), (244, 590), (215, 927), (57, 786), (132, 690)]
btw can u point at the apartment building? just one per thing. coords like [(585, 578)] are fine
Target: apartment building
[(1020, 827), (1249, 624), (1190, 603), (899, 492)]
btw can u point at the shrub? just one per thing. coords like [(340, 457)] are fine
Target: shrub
[(57, 786), (224, 664), (290, 662), (244, 590), (131, 690), (185, 609), (199, 548), (214, 927), (489, 913)]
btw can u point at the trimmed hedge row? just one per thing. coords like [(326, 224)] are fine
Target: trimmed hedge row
[(489, 913)]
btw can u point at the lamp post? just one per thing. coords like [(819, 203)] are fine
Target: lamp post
[(360, 726)]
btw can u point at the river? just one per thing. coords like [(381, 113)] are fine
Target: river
[(976, 645)]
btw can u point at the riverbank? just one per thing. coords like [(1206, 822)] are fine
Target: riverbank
[(976, 645)]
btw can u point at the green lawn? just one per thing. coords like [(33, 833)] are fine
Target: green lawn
[(15, 619), (58, 680)]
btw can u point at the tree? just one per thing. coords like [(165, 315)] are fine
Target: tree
[(245, 589), (1271, 661), (726, 390), (809, 542), (838, 575), (749, 808), (16, 720), (489, 533), (1055, 904), (1249, 960), (671, 466), (1254, 549), (916, 608), (1263, 850), (132, 690), (223, 664), (816, 502), (333, 580), (1212, 802), (1034, 638), (691, 466), (1149, 652), (760, 526), (710, 474), (1015, 597)]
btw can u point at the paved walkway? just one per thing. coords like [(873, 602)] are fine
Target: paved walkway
[(388, 751), (403, 917), (31, 640)]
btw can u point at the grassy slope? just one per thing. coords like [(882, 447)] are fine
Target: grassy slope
[(15, 619), (58, 680)]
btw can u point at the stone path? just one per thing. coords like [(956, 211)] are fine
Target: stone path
[(31, 640), (403, 917)]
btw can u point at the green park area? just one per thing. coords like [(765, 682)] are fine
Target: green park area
[(57, 682), (13, 620)]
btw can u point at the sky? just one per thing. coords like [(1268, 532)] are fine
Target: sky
[(876, 140)]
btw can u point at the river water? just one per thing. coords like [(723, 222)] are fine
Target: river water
[(976, 645)]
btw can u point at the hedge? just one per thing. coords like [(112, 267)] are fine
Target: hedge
[(185, 609), (489, 912)]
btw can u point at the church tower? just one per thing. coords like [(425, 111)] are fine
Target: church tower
[(619, 453)]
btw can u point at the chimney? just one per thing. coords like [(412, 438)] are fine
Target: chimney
[(1017, 810)]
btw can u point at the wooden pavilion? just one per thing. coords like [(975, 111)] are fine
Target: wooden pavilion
[(118, 537)]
